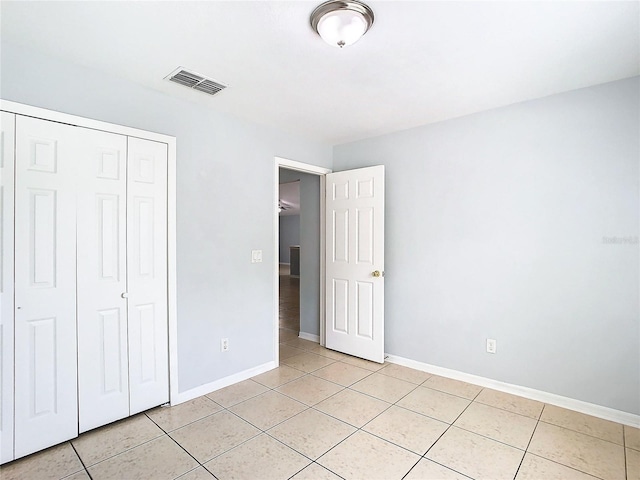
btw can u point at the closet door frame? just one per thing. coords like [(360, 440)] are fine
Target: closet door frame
[(28, 110), (7, 274)]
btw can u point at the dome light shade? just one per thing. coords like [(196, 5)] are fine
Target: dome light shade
[(341, 23)]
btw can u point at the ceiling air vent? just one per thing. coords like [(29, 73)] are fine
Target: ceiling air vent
[(195, 81)]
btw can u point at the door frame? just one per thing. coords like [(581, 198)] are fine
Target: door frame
[(55, 116), (321, 172)]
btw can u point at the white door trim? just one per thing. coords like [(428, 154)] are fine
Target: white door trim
[(45, 114), (314, 170)]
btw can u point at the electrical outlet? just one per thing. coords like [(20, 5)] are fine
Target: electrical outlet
[(256, 256), (492, 345), (224, 344)]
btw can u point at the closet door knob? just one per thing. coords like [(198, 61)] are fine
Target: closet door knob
[(125, 295)]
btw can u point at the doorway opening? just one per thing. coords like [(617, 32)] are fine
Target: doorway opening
[(308, 289), (289, 258)]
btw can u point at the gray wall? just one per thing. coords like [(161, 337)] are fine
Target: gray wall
[(289, 235), (309, 248), (494, 228), (220, 159)]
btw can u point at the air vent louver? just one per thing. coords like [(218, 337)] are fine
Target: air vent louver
[(195, 81), (209, 86)]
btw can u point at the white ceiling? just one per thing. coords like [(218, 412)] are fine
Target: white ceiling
[(421, 62)]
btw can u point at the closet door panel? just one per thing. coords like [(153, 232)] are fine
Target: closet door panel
[(103, 380), (7, 132), (147, 274), (46, 406)]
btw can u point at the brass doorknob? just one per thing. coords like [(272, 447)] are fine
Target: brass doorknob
[(376, 273)]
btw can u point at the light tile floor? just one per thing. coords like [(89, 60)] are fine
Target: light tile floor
[(324, 415)]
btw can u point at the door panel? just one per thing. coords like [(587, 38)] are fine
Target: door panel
[(113, 381), (103, 380), (46, 409), (147, 274), (365, 309), (341, 305), (355, 249), (42, 348), (42, 228), (340, 240), (7, 132)]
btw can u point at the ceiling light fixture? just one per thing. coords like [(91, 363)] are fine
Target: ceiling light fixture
[(342, 23)]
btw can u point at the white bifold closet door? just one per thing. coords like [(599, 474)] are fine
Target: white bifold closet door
[(103, 378), (147, 274), (90, 325), (122, 277), (46, 405)]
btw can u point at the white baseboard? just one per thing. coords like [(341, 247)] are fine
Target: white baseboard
[(309, 336), (223, 382), (533, 394)]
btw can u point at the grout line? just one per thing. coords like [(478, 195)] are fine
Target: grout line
[(291, 448), (548, 459), (321, 466), (182, 475), (510, 411), (246, 399), (306, 404), (448, 467), (624, 451), (526, 450), (386, 440), (452, 394), (126, 449), (234, 447), (307, 407), (422, 414), (566, 466), (449, 427), (328, 469), (303, 468), (169, 432), (81, 461), (489, 438), (586, 434), (339, 443), (424, 455), (414, 466)]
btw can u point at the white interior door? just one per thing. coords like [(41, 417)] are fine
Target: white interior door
[(46, 407), (103, 378), (147, 274), (7, 132), (355, 262)]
